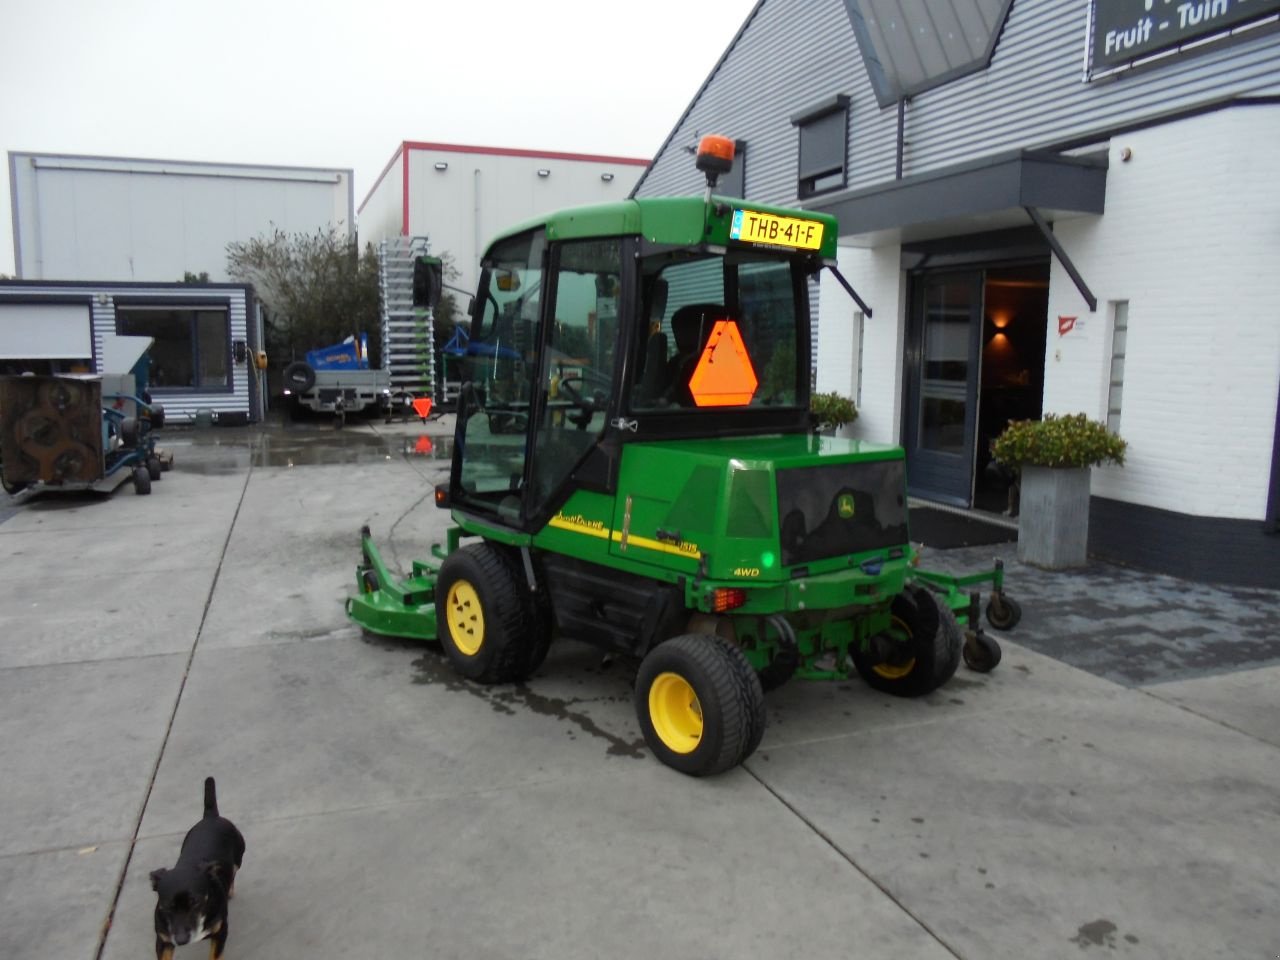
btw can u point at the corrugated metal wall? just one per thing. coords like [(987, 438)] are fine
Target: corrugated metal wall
[(178, 406), (1033, 95), (183, 406), (792, 54), (788, 57)]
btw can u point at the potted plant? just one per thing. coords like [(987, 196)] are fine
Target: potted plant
[(831, 411), (1053, 457)]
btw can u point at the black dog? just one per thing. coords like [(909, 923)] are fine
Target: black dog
[(194, 894)]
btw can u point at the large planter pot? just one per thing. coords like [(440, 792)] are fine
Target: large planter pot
[(1053, 518)]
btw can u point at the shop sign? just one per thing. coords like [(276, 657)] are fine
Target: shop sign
[(1122, 31)]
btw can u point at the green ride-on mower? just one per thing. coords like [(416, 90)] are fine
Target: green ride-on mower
[(634, 466)]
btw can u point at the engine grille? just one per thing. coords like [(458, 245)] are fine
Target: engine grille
[(835, 510)]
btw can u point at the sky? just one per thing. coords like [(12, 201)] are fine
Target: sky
[(333, 84)]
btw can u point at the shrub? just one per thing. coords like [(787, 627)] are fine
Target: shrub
[(831, 411), (1069, 440)]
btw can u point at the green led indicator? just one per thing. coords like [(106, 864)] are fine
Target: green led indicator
[(767, 559)]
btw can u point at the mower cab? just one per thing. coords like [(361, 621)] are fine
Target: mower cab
[(635, 461)]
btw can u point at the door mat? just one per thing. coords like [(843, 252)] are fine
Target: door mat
[(944, 530)]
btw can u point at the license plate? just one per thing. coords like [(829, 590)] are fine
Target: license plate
[(752, 226)]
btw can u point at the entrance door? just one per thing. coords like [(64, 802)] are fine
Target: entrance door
[(943, 356)]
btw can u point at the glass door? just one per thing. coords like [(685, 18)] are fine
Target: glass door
[(943, 357)]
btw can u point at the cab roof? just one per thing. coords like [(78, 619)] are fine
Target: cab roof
[(680, 221)]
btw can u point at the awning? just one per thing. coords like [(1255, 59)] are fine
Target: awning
[(989, 194)]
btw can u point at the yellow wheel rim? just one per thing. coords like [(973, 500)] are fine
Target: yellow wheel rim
[(464, 618), (896, 671), (675, 713)]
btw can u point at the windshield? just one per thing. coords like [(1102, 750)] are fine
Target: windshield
[(720, 332)]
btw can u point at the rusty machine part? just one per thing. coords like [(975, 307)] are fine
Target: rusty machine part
[(50, 430)]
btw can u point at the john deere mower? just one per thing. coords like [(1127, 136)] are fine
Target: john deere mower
[(635, 467)]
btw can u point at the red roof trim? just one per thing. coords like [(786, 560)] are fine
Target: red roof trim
[(513, 152)]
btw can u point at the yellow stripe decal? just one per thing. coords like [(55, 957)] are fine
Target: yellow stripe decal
[(577, 523), (682, 549)]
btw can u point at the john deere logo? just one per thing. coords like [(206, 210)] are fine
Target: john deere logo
[(844, 506)]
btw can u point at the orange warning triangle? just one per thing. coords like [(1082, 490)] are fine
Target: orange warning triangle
[(724, 376)]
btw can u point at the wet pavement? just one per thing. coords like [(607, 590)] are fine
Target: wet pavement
[(1110, 790), (1130, 626)]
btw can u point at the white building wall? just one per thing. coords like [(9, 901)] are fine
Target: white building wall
[(381, 214), (483, 191), (877, 276), (1190, 239), (102, 218)]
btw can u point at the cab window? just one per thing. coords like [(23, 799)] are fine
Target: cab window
[(684, 300), (578, 365), (497, 370)]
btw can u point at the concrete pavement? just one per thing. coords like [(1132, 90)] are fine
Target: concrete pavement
[(1112, 789)]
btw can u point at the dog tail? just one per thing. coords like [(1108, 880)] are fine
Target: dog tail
[(210, 798)]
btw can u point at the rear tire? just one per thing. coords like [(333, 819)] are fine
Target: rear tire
[(141, 480), (920, 651), (154, 467), (699, 704), (484, 615)]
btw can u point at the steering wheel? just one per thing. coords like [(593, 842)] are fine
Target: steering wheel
[(587, 406)]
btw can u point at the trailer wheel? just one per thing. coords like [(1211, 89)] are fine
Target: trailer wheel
[(141, 480), (483, 615), (299, 377), (154, 467), (699, 704), (1003, 612), (918, 653), (981, 653)]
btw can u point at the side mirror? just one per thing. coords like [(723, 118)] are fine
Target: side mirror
[(428, 281)]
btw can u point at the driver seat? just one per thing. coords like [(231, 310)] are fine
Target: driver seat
[(691, 326)]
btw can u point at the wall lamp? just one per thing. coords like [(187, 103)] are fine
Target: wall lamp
[(544, 172), (441, 165), (607, 177)]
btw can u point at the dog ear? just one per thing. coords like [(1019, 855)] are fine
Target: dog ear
[(156, 877)]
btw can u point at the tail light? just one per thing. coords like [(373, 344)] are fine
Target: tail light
[(727, 598)]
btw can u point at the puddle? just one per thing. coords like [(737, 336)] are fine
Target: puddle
[(343, 447), (432, 668), (229, 451)]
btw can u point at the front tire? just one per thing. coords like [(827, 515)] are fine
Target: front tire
[(918, 653), (700, 704), (484, 615)]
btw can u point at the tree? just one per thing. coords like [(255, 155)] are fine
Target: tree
[(318, 288)]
